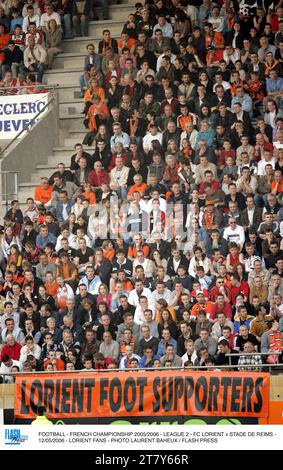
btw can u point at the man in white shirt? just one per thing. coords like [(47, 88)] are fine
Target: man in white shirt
[(6, 367), (9, 313), (125, 361), (49, 14), (219, 81), (109, 347), (147, 264), (266, 159), (30, 18), (162, 292), (137, 292), (234, 233), (153, 134), (143, 306), (30, 348)]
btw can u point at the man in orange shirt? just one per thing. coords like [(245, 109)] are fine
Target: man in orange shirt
[(42, 193), (201, 304), (50, 285), (89, 194), (138, 186), (127, 42), (213, 38), (58, 364), (277, 184)]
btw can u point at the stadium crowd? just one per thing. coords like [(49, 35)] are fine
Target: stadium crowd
[(163, 248)]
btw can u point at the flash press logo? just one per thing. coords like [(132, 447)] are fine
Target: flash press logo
[(13, 437)]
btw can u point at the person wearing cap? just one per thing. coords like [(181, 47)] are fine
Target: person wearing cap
[(201, 304), (41, 419)]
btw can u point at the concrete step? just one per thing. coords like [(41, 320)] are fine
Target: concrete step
[(47, 167), (117, 12), (69, 60), (26, 190), (68, 93), (66, 151), (75, 136), (79, 44), (116, 25), (71, 108), (63, 76), (73, 140), (72, 123)]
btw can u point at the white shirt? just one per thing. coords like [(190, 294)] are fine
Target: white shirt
[(30, 19), (226, 85), (139, 314), (159, 60), (6, 370), (46, 18), (15, 316), (36, 351), (134, 298), (148, 138), (250, 215), (162, 205), (261, 166), (236, 235)]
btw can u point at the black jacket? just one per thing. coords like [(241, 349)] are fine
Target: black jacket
[(112, 328), (170, 267), (74, 166), (152, 343), (104, 157), (104, 271)]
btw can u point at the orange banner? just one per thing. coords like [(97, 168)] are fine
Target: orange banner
[(144, 393)]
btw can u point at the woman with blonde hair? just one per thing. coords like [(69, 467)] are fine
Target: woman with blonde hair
[(53, 39)]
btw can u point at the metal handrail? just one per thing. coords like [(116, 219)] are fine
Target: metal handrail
[(181, 369), (275, 353), (5, 195), (26, 128), (19, 87)]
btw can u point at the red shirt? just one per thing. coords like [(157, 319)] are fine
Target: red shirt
[(12, 351), (97, 179), (227, 310), (215, 186), (242, 289)]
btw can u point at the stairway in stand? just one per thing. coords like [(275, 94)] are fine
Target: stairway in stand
[(67, 68)]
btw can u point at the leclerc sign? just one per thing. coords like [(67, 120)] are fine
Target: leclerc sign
[(170, 393), (18, 112)]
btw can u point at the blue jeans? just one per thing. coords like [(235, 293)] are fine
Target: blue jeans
[(68, 24), (82, 83), (80, 23), (38, 68), (104, 5)]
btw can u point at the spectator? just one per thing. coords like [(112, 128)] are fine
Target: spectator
[(53, 41), (35, 59)]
